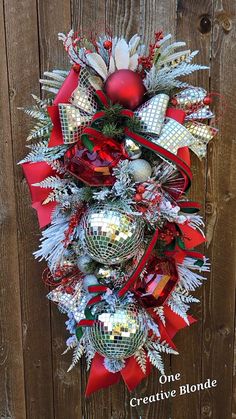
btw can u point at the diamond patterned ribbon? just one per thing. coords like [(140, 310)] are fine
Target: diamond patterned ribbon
[(152, 114), (202, 134)]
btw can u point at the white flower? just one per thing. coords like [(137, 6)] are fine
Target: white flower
[(124, 56)]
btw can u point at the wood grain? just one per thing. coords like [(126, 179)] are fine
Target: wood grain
[(23, 73), (34, 383), (219, 294), (12, 392), (189, 341)]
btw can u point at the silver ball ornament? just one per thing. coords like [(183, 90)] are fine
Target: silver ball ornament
[(132, 149), (141, 170), (86, 264), (118, 334), (89, 280), (110, 235)]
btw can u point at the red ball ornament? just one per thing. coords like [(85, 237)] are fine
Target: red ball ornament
[(126, 88), (107, 44), (207, 100), (174, 101)]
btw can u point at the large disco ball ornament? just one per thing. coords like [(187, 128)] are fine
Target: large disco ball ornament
[(119, 334), (109, 235)]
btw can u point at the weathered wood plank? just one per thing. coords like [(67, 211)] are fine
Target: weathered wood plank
[(66, 386), (88, 17), (188, 363), (219, 298), (23, 68), (12, 392)]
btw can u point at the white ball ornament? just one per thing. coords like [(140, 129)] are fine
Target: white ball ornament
[(141, 170), (89, 280), (86, 264)]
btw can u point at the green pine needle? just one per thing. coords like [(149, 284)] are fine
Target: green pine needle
[(134, 124), (111, 130), (112, 114)]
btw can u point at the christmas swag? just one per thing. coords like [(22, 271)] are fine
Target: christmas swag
[(108, 170)]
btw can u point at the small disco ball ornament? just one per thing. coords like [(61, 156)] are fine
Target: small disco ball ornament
[(105, 273), (118, 334), (109, 235), (132, 149), (111, 276)]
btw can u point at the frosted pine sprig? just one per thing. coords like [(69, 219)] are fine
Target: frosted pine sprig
[(178, 306), (160, 312), (141, 359), (41, 152), (161, 346), (156, 360), (53, 81), (78, 352), (166, 79), (189, 278)]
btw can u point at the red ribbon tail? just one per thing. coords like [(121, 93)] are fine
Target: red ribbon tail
[(191, 236), (132, 373), (35, 173), (174, 322), (99, 377)]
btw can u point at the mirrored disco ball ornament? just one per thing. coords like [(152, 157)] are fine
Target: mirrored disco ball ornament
[(109, 235), (118, 334)]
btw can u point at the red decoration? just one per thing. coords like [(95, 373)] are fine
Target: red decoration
[(94, 168), (138, 197), (107, 44), (158, 282), (141, 189), (35, 173), (132, 375), (207, 100), (126, 88)]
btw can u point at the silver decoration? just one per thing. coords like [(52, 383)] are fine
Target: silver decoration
[(86, 264), (73, 122), (83, 99), (173, 136), (202, 134), (190, 97), (70, 303), (106, 273), (141, 170), (110, 275), (118, 334), (114, 365), (202, 113), (109, 235), (89, 280), (152, 114), (175, 59), (132, 149)]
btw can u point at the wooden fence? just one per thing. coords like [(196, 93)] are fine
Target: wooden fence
[(33, 381)]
